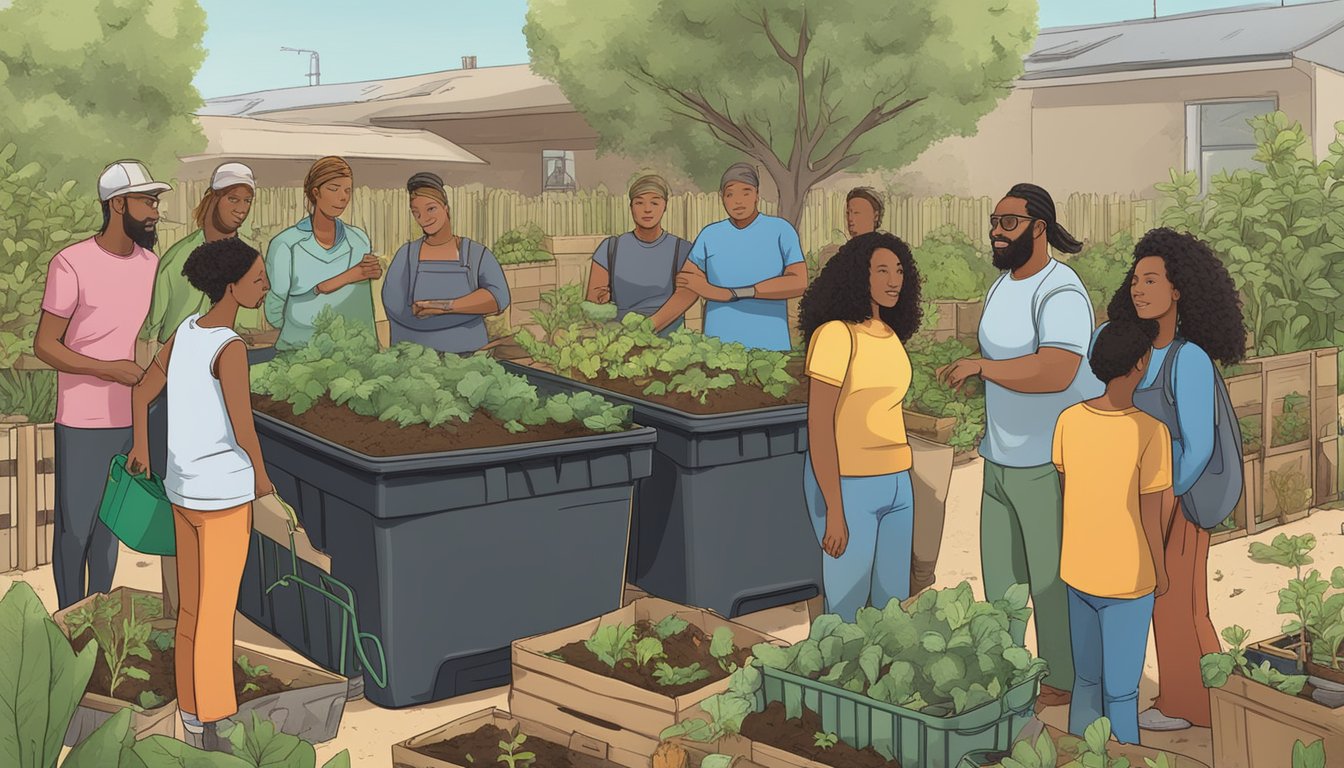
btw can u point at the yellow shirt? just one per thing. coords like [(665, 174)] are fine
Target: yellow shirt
[(869, 364), (1108, 459)]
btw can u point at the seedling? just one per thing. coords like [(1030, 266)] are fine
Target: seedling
[(150, 700), (668, 675), (721, 648), (252, 673), (510, 753), (1318, 620), (116, 642), (1309, 756), (825, 740), (669, 626), (612, 644), (649, 649), (1216, 668)]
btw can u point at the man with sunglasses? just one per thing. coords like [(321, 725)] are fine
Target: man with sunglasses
[(1034, 336), (96, 300)]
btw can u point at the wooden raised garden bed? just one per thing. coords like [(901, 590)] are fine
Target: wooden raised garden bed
[(27, 493), (1068, 746), (1255, 726), (474, 742), (624, 706)]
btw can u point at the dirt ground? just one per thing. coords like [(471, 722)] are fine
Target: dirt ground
[(1245, 594)]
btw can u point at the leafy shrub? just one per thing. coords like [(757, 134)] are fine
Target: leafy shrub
[(1279, 230), (1293, 425), (931, 397), (411, 384), (31, 394), (521, 246), (38, 217), (952, 267), (1102, 268)]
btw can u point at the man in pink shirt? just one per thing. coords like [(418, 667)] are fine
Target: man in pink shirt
[(97, 297)]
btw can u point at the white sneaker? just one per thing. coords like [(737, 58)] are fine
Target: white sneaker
[(1152, 719), (192, 724)]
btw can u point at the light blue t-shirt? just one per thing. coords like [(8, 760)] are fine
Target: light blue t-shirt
[(737, 258), (1019, 426)]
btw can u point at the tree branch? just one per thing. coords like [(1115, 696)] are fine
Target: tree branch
[(839, 157), (802, 138), (704, 112)]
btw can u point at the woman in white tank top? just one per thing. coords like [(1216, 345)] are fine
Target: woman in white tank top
[(214, 472)]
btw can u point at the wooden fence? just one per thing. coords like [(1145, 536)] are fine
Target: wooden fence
[(485, 214)]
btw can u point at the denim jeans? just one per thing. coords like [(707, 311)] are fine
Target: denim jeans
[(875, 566), (1110, 640)]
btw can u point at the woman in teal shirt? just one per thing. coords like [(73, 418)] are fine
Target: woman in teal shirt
[(320, 262)]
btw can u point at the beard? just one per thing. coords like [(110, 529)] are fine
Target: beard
[(139, 233), (1016, 254)]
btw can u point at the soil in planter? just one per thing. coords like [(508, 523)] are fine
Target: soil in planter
[(160, 668), (266, 685), (371, 437), (687, 647), (482, 745), (740, 397), (798, 737)]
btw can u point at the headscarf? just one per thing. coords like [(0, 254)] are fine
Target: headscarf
[(425, 184), (741, 172), (323, 171), (649, 183)]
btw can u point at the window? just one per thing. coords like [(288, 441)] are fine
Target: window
[(557, 170), (1219, 137)]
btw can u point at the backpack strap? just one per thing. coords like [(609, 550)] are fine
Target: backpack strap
[(678, 258), (611, 266), (1168, 374), (474, 254)]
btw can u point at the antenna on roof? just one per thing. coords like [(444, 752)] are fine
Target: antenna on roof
[(1154, 9), (314, 64)]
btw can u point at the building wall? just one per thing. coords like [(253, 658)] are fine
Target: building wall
[(1329, 109)]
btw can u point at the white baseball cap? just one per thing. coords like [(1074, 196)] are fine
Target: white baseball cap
[(126, 176), (230, 174)]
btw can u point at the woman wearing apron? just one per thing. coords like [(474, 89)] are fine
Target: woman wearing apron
[(321, 261), (440, 288)]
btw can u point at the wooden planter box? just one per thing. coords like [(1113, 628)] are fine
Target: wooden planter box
[(95, 709), (935, 428), (27, 494), (626, 717), (573, 254), (310, 707), (958, 320), (405, 756), (1255, 726), (1284, 648), (526, 284)]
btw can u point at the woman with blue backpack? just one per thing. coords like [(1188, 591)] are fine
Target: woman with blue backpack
[(1180, 285)]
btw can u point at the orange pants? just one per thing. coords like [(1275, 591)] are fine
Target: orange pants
[(1182, 629), (211, 552)]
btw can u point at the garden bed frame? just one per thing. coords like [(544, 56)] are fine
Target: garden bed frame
[(27, 494), (1255, 726), (405, 756)]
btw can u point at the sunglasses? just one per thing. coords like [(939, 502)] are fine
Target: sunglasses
[(1009, 221)]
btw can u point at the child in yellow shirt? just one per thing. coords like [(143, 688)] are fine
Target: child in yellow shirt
[(1115, 474)]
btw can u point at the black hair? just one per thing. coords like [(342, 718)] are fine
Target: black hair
[(213, 267), (842, 292), (1040, 205), (869, 194), (1119, 348), (1208, 312), (107, 215)]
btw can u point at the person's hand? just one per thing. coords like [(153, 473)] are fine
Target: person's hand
[(836, 539), (368, 268), (137, 461), (124, 372), (429, 308), (956, 374), (699, 285), (603, 294), (262, 484)]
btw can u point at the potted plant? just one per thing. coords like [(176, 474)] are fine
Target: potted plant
[(635, 671), (731, 423), (923, 686), (410, 467)]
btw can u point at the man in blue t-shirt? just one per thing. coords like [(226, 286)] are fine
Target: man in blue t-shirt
[(746, 268), (1034, 336)]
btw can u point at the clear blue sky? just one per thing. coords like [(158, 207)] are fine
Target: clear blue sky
[(372, 39)]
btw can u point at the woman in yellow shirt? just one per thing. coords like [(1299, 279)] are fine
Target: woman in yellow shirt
[(856, 318)]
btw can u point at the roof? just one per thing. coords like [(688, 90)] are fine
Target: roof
[(458, 92), (1309, 31), (243, 138)]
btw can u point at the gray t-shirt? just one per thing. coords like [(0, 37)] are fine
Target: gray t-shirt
[(1020, 427), (645, 276)]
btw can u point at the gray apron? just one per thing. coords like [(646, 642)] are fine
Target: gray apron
[(437, 281)]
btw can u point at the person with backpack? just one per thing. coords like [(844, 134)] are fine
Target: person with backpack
[(1034, 336), (440, 287), (1177, 282), (637, 270)]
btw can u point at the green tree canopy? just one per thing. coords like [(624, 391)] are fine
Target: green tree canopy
[(86, 82), (806, 90)]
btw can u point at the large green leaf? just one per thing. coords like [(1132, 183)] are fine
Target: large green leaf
[(166, 752), (112, 745), (264, 746)]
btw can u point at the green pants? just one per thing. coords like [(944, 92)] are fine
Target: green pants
[(1021, 529)]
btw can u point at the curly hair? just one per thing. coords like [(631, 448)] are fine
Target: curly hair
[(1119, 348), (842, 290), (1209, 310), (213, 267)]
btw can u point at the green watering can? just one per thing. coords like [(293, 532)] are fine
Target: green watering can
[(137, 510)]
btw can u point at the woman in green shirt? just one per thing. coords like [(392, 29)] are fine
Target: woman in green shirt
[(320, 262)]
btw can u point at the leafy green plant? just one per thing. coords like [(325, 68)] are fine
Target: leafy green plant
[(825, 740), (252, 673), (1250, 435), (649, 649), (1309, 756), (1216, 668), (411, 384), (1293, 425), (612, 644), (721, 648), (150, 700), (669, 626), (119, 641), (1027, 754), (669, 675), (31, 394), (686, 361), (511, 752), (1315, 604), (521, 246), (952, 267), (1292, 491), (1092, 751), (724, 713), (929, 396), (41, 216)]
